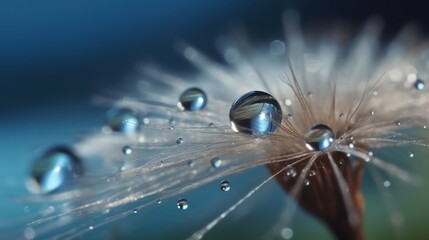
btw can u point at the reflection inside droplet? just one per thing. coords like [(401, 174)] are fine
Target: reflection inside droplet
[(319, 138), (193, 99), (255, 113)]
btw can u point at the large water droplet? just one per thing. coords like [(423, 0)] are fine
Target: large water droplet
[(54, 170), (193, 99), (319, 138), (224, 186), (182, 204), (419, 84), (255, 113), (122, 120)]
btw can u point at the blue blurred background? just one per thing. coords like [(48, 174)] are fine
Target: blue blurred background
[(55, 55)]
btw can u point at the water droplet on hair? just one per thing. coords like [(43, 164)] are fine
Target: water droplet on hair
[(341, 115), (310, 94), (411, 154), (211, 125), (191, 163), (419, 84), (224, 186), (182, 204), (54, 170), (289, 116), (29, 233), (319, 138), (91, 227), (135, 211), (371, 113), (398, 123), (277, 48), (179, 140), (127, 150), (216, 162), (171, 127), (122, 120), (193, 99), (291, 172), (255, 113), (306, 182), (311, 173)]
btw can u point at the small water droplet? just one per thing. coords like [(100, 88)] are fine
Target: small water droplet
[(182, 204), (351, 145), (349, 155), (146, 120), (29, 233), (135, 211), (91, 228), (211, 125), (127, 150), (122, 120), (191, 163), (192, 99), (310, 94), (171, 127), (311, 173), (158, 201), (319, 138), (419, 84), (179, 140), (256, 113), (398, 123), (342, 115), (216, 162), (288, 102), (289, 116), (386, 184), (54, 170), (224, 186), (287, 233), (306, 182), (277, 48), (411, 154), (371, 113), (291, 172)]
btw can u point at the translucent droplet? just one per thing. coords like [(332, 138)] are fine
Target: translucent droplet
[(122, 120), (306, 182), (341, 115), (211, 125), (287, 233), (182, 204), (135, 211), (29, 233), (127, 150), (224, 186), (411, 154), (179, 140), (386, 184), (311, 173), (319, 138), (255, 113), (158, 201), (91, 228), (193, 99), (398, 123), (289, 116), (371, 113), (171, 127), (310, 94), (216, 162), (191, 163), (419, 84), (290, 172), (54, 170)]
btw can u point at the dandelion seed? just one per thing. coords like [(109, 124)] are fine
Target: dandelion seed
[(318, 158)]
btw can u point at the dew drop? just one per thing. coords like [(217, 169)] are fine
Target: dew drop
[(312, 173), (91, 228), (211, 125), (29, 233), (419, 84), (158, 201), (216, 162), (179, 140), (224, 186), (398, 123), (122, 120), (371, 113), (319, 138), (54, 170), (256, 113), (193, 99), (289, 116), (411, 154), (341, 115), (182, 204), (291, 172), (191, 163), (127, 150), (171, 127), (310, 94), (135, 211)]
